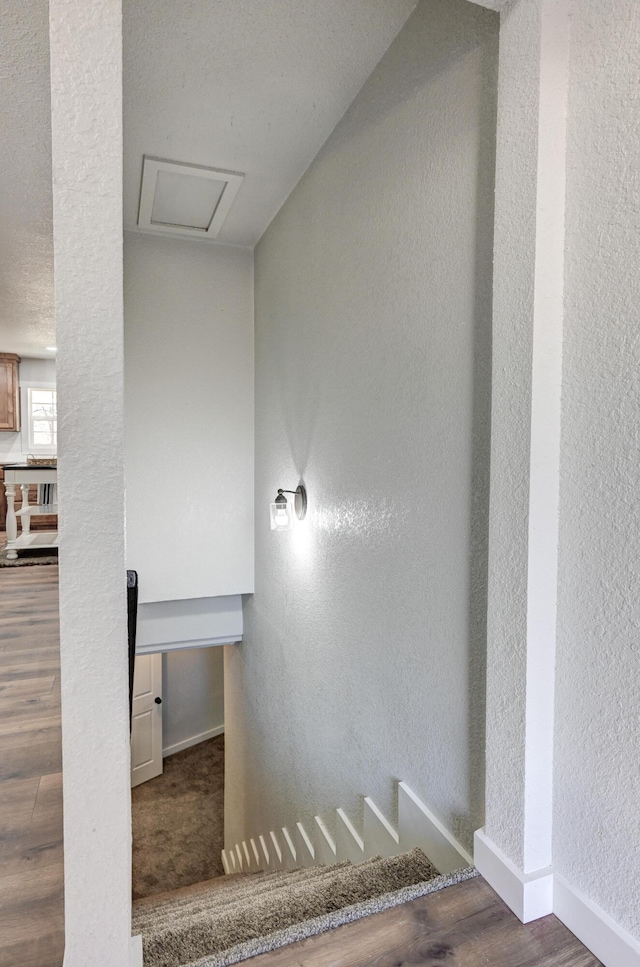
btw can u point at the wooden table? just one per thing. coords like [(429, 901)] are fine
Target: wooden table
[(22, 475)]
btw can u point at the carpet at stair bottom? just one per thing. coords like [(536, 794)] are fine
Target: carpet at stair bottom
[(178, 821)]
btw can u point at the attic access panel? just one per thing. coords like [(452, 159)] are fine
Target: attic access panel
[(183, 199)]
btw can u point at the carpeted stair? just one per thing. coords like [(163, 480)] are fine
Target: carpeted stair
[(228, 919)]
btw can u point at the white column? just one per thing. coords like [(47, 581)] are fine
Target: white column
[(86, 81), (514, 849), (25, 519), (11, 522)]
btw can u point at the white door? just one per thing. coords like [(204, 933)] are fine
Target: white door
[(146, 722)]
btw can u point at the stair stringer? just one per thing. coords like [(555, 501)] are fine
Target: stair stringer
[(297, 845), (325, 844), (289, 851)]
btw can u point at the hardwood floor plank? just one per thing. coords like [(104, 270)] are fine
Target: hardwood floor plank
[(33, 655), (17, 802), (45, 949), (463, 926), (24, 644), (37, 843), (30, 758), (32, 687), (31, 858), (24, 714), (27, 669)]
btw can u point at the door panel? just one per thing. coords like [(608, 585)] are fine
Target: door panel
[(146, 724)]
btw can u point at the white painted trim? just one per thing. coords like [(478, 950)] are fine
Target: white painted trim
[(247, 858), (305, 850), (151, 649), (417, 826), (192, 740), (349, 843), (256, 854), (380, 838), (265, 850), (240, 857), (277, 852), (324, 843), (135, 958), (232, 180), (225, 863), (529, 895), (289, 860), (610, 943), (544, 463)]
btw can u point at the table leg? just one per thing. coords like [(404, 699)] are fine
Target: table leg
[(12, 523), (25, 519)]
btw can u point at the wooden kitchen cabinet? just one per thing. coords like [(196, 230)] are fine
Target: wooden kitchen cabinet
[(9, 392)]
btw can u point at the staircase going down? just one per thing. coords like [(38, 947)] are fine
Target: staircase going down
[(228, 919)]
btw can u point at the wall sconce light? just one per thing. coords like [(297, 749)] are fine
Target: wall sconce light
[(281, 510)]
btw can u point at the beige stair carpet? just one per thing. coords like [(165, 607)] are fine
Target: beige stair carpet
[(229, 919)]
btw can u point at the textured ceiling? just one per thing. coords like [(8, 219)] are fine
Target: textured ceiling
[(254, 86), (26, 237)]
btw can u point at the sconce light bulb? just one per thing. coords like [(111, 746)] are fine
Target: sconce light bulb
[(281, 515)]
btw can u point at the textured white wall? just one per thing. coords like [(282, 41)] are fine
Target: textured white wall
[(363, 657), (86, 73), (33, 372), (192, 694), (26, 235), (597, 779), (189, 417)]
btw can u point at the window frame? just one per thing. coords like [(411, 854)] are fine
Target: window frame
[(31, 446)]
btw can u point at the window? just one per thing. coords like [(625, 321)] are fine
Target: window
[(42, 420)]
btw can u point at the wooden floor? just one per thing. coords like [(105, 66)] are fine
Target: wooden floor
[(31, 873), (463, 926)]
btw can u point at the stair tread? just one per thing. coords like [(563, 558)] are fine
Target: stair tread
[(187, 932), (216, 882), (204, 899)]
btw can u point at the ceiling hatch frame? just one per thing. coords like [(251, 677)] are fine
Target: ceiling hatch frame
[(153, 167)]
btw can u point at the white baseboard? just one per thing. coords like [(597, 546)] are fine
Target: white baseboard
[(192, 740), (605, 938), (135, 956), (529, 895)]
